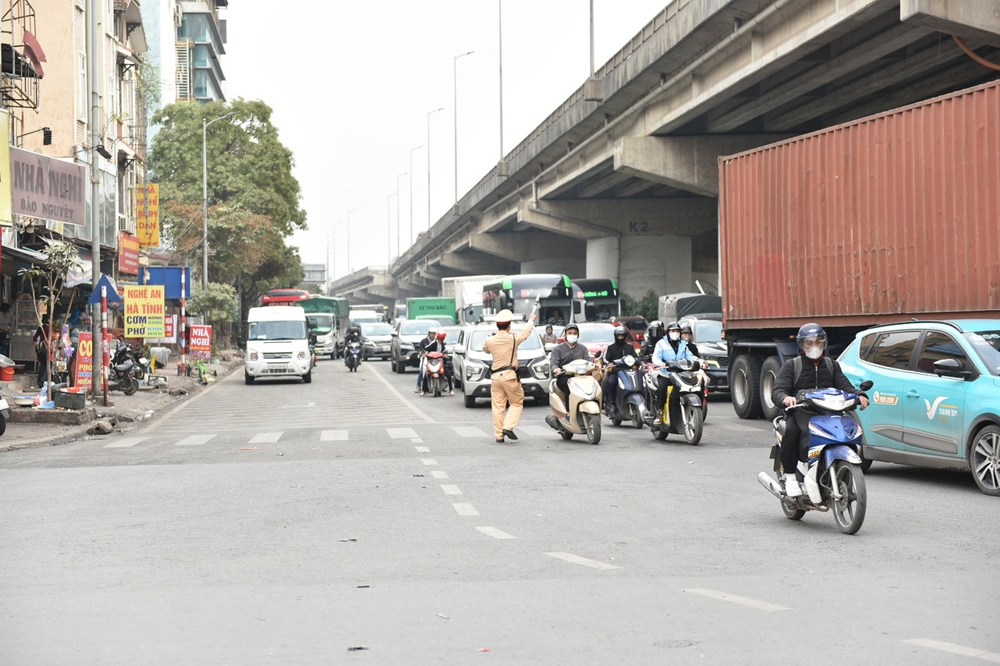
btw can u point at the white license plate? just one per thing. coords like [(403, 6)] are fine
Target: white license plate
[(278, 369), (3, 404)]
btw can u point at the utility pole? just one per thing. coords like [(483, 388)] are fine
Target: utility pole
[(95, 197)]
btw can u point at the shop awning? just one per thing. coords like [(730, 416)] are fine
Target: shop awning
[(24, 254)]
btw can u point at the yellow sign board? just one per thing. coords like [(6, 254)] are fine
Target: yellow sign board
[(144, 311), (147, 216), (5, 189)]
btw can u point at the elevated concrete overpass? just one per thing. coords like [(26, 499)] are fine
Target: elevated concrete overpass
[(622, 179)]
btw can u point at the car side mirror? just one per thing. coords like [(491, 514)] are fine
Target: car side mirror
[(867, 384), (394, 334), (459, 349), (577, 308), (549, 346), (312, 338), (950, 367)]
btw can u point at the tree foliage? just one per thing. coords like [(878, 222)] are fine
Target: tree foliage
[(646, 308), (220, 305)]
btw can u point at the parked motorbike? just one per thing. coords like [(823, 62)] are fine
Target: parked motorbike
[(122, 372), (629, 403), (833, 477), (583, 414), (352, 356), (434, 370), (683, 411)]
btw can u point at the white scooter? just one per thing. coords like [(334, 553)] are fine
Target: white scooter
[(583, 417)]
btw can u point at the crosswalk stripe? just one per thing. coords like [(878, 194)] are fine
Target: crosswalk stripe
[(401, 433), (495, 533), (195, 440), (576, 559), (333, 436), (422, 449), (451, 490), (430, 462), (265, 437), (125, 442), (438, 474), (536, 430), (465, 509), (468, 431)]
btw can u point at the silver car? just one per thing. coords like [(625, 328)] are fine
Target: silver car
[(376, 340), (471, 363)]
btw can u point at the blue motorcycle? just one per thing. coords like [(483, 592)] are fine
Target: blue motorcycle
[(832, 476), (352, 356), (629, 403)]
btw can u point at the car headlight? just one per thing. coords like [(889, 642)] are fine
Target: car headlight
[(253, 356), (474, 371), (369, 343), (302, 356), (540, 370)]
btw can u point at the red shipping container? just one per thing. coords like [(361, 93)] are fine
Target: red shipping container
[(888, 217)]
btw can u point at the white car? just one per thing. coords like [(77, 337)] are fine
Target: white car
[(471, 363)]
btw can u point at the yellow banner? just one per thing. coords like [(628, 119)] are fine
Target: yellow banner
[(5, 189), (144, 310), (147, 216)]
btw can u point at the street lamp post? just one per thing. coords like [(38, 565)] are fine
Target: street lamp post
[(429, 114), (204, 195), (411, 191), (405, 173), (349, 269), (388, 230), (455, 100), (500, 29)]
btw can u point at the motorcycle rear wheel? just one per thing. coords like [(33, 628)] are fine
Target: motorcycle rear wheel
[(129, 385), (791, 512), (692, 425), (592, 422), (849, 512)]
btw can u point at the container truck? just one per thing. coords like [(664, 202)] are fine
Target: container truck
[(883, 219), (467, 291)]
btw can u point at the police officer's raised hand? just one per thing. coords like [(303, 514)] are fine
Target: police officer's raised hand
[(532, 316)]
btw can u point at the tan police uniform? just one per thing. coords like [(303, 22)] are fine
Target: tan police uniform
[(505, 387)]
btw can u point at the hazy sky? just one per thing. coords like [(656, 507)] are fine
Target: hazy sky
[(351, 84)]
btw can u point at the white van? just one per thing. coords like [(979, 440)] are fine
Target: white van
[(277, 344)]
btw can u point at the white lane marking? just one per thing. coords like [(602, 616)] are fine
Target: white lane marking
[(465, 509), (430, 462), (195, 440), (396, 393), (736, 428), (536, 430), (735, 599), (333, 436), (265, 437), (955, 649), (468, 431), (124, 442), (451, 490), (417, 440), (422, 449), (400, 433), (495, 533), (576, 559), (438, 474), (313, 404)]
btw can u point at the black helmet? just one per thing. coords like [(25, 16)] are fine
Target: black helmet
[(655, 329), (673, 326), (686, 328), (810, 330), (620, 330), (572, 326)]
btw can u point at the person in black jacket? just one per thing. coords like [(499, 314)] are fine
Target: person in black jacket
[(654, 332), (816, 372), (618, 349)]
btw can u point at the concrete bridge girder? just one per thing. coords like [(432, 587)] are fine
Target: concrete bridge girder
[(689, 163), (599, 218), (527, 245), (966, 19), (478, 263)]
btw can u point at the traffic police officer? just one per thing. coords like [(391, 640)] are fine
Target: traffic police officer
[(506, 387)]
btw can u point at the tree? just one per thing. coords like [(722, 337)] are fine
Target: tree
[(647, 308), (248, 167), (49, 279), (218, 302)]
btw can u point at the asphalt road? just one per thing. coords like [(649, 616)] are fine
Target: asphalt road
[(283, 523)]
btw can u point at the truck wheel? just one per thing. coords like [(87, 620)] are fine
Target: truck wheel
[(744, 385), (768, 373)]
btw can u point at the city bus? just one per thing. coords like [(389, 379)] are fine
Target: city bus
[(284, 297), (600, 298), (517, 293)]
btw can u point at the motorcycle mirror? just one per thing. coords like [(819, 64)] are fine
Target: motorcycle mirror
[(867, 384)]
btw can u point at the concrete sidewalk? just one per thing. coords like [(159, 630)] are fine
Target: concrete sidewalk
[(124, 412)]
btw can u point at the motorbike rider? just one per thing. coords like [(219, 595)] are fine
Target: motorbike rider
[(420, 346), (814, 371), (565, 352), (353, 335), (686, 335), (619, 349), (668, 349), (439, 346), (654, 333)]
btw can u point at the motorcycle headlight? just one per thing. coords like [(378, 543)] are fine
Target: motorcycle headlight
[(253, 356), (302, 356)]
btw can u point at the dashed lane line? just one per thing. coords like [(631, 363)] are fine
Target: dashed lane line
[(954, 648), (736, 599), (468, 431), (125, 442), (422, 449), (465, 509), (399, 395), (576, 559), (495, 533), (195, 440), (333, 436), (265, 437), (536, 430), (430, 462), (438, 474), (451, 490), (401, 433)]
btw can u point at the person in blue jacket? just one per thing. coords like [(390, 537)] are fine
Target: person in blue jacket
[(669, 348)]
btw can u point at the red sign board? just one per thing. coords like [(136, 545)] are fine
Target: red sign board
[(201, 341), (128, 253), (168, 326), (84, 376)]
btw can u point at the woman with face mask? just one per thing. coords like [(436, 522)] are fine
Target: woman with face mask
[(670, 348)]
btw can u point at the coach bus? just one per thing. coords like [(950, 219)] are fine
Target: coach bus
[(284, 297), (517, 293), (600, 298)]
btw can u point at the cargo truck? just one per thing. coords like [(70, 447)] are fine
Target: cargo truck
[(441, 310), (327, 317), (467, 291), (882, 219)]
